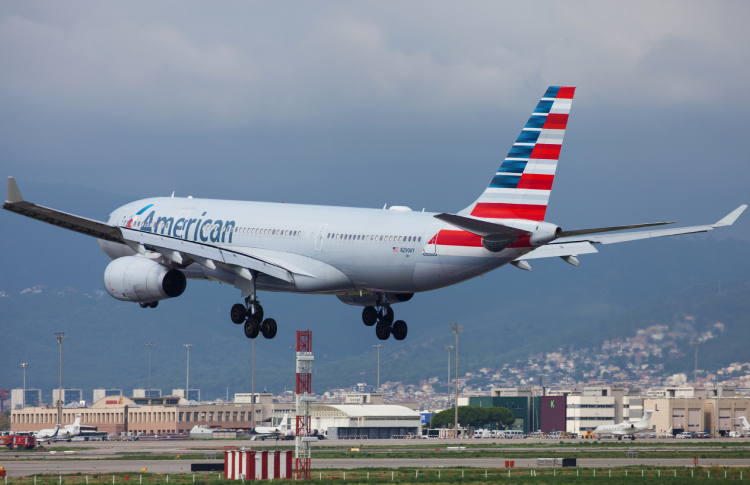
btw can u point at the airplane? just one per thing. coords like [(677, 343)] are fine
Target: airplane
[(276, 432), (60, 433), (370, 258), (626, 429), (745, 424)]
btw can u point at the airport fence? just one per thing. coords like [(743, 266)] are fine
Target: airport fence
[(631, 475)]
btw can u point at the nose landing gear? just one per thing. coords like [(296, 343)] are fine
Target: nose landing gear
[(382, 318)]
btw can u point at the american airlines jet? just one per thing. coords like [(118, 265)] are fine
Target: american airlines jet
[(373, 258)]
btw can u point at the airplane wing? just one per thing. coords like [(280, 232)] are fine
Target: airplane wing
[(83, 225), (573, 245), (479, 227), (172, 248)]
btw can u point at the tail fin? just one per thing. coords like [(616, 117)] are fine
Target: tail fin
[(522, 186), (745, 424), (646, 418), (77, 422)]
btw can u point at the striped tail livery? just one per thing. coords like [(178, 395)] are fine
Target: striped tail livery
[(522, 186)]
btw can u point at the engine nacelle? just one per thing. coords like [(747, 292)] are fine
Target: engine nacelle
[(544, 233), (142, 280)]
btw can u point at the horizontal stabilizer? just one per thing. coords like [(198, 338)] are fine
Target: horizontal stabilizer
[(580, 232), (479, 227)]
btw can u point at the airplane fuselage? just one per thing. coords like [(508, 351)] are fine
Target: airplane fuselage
[(343, 250)]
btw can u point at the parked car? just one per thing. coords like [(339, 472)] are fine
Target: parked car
[(702, 434), (684, 435)]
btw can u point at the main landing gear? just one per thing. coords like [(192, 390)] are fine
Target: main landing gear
[(382, 318), (251, 314), (149, 305)]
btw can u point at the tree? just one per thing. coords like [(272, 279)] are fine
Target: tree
[(5, 420), (474, 417)]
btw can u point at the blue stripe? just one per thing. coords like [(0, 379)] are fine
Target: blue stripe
[(505, 181), (543, 107), (520, 152), (551, 92), (536, 122), (528, 136), (143, 210), (513, 166)]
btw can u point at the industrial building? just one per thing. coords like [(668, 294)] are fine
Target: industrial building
[(169, 414), (68, 395), (192, 394), (577, 411), (148, 393)]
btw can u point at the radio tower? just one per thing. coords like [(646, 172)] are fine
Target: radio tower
[(303, 433)]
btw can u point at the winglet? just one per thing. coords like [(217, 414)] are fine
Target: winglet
[(726, 221), (14, 195)]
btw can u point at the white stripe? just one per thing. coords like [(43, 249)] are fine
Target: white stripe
[(548, 99), (551, 137), (503, 190), (532, 129), (524, 144), (541, 167), (538, 114), (518, 159), (509, 173)]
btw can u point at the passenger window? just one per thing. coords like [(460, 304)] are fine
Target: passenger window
[(420, 239)]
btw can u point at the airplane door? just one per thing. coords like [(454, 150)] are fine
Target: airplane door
[(319, 237), (430, 240)]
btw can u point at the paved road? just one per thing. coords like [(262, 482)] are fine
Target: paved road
[(26, 468)]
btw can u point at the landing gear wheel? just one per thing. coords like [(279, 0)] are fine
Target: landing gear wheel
[(143, 305), (153, 304), (252, 329), (388, 317), (369, 316), (382, 331), (399, 330), (238, 313), (268, 329), (256, 317)]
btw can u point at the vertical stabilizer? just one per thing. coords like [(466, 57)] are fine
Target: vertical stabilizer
[(522, 185)]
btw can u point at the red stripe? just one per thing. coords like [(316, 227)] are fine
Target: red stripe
[(535, 181), (459, 238), (556, 121), (566, 93), (523, 242), (546, 152), (492, 210)]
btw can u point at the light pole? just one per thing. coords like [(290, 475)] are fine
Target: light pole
[(60, 337), (23, 401), (378, 346), (294, 367), (449, 348), (150, 344), (187, 381), (252, 386), (456, 328)]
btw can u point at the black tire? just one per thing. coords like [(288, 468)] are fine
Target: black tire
[(153, 304), (388, 317), (252, 329), (256, 317), (268, 329), (382, 331), (238, 313), (399, 330), (143, 305), (369, 316)]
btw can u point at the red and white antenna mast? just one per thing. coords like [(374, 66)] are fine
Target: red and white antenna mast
[(304, 396)]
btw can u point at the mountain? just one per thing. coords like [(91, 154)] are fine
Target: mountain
[(51, 281)]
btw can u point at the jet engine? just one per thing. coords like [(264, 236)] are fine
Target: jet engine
[(142, 280), (544, 233)]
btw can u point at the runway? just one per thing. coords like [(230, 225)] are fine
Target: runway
[(94, 467)]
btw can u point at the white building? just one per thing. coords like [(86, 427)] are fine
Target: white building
[(585, 413), (68, 396), (145, 392), (102, 393), (33, 398), (192, 394)]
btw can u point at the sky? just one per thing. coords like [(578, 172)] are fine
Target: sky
[(371, 103)]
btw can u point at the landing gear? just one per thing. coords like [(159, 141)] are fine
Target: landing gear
[(268, 329), (399, 330), (251, 313), (252, 329), (369, 316), (152, 304), (384, 316)]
